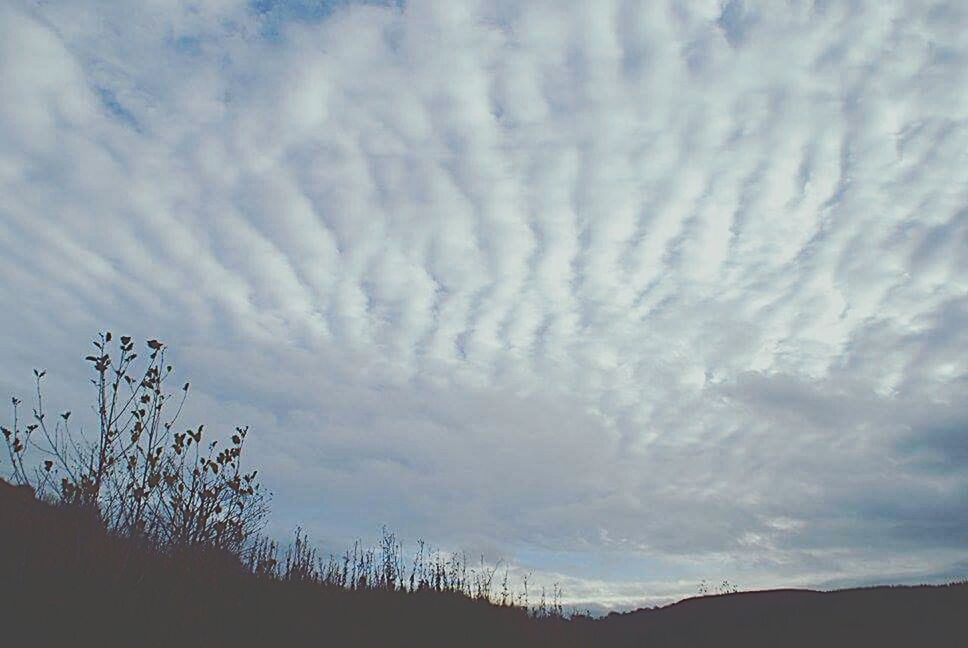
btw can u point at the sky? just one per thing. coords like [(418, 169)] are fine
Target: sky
[(630, 295)]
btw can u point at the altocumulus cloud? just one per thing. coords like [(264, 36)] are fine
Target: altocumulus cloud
[(635, 293)]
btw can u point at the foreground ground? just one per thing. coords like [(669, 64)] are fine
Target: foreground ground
[(63, 581)]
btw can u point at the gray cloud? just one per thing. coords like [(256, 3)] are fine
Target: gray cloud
[(680, 283)]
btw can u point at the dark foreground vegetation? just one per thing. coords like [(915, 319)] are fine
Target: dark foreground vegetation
[(142, 535), (67, 581)]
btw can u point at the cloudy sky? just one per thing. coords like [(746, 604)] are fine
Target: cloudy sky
[(632, 294)]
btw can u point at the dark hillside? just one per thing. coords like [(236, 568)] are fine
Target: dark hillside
[(881, 616), (65, 581)]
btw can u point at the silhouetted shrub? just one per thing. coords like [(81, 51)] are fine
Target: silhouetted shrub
[(143, 478)]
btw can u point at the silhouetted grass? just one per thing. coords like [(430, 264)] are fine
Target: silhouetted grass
[(66, 580)]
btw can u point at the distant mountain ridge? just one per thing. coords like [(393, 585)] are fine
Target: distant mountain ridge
[(65, 581)]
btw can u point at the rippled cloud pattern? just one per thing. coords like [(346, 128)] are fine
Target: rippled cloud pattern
[(636, 292)]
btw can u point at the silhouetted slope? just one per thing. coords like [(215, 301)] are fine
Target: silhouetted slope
[(881, 616), (67, 582)]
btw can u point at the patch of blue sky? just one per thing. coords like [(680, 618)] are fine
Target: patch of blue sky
[(276, 14), (111, 103), (188, 45), (613, 567)]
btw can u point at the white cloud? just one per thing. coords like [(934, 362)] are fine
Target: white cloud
[(690, 279)]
